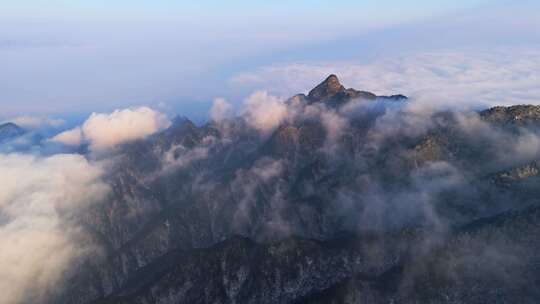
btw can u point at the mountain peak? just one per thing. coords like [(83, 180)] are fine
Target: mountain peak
[(326, 89), (9, 125), (10, 130)]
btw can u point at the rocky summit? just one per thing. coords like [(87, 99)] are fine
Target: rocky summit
[(334, 94), (351, 198), (327, 89)]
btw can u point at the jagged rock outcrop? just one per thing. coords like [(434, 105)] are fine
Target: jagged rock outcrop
[(334, 94), (329, 88)]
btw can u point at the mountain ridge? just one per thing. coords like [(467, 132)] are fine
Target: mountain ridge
[(267, 214)]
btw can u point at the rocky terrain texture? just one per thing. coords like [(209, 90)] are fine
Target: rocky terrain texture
[(352, 198)]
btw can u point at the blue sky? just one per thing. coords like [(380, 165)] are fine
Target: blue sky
[(234, 7), (63, 56)]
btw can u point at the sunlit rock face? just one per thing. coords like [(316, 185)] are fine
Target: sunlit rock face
[(352, 198), (327, 89)]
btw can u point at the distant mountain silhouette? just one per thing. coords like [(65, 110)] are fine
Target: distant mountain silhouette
[(9, 131)]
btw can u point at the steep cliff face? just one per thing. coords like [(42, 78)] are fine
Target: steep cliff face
[(351, 199)]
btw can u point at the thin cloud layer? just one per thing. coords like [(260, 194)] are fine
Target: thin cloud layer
[(103, 131), (38, 242), (465, 79), (34, 122)]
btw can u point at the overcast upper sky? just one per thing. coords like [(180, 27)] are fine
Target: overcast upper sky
[(61, 57)]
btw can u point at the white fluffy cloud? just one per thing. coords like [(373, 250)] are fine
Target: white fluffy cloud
[(37, 242), (465, 78), (73, 137), (263, 111), (103, 131), (221, 109)]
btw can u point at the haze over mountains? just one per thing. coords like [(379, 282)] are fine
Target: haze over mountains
[(335, 196)]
